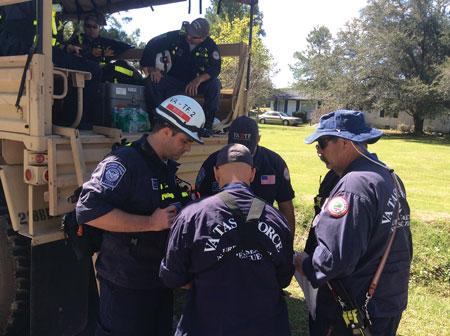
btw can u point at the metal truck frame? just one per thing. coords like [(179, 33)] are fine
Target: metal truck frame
[(43, 288)]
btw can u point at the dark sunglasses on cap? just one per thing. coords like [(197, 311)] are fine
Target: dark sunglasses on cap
[(94, 26), (323, 142)]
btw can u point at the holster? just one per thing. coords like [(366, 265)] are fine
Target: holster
[(356, 321), (354, 317)]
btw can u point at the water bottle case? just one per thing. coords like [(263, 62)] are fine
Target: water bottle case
[(130, 119), (125, 105)]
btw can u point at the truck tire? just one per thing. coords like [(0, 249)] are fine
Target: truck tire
[(14, 280)]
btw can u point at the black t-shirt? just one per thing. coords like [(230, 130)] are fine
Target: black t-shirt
[(272, 180)]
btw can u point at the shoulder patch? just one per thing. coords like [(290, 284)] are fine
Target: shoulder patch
[(112, 174), (216, 55), (338, 206), (286, 175)]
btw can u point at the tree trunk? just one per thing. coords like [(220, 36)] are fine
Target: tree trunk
[(418, 124)]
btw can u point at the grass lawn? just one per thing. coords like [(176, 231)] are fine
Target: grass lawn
[(423, 165)]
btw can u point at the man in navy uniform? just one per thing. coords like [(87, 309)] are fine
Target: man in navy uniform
[(272, 180), (235, 276), (194, 61), (17, 28), (101, 50), (133, 196), (92, 46), (366, 206)]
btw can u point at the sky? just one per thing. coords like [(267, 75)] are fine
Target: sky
[(287, 23)]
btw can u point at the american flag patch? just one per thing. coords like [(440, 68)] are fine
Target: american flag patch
[(267, 179)]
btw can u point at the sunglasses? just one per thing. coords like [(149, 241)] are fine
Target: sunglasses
[(323, 142), (87, 25), (196, 37)]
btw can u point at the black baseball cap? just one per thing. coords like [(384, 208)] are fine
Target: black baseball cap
[(244, 130), (198, 28), (234, 152)]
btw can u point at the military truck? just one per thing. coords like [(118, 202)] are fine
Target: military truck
[(43, 288)]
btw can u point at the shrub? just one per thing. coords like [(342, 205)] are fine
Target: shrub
[(403, 128), (427, 129), (300, 114), (316, 114)]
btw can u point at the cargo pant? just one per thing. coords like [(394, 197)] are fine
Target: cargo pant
[(132, 312)]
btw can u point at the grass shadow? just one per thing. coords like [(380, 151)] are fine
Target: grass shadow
[(426, 139), (298, 315)]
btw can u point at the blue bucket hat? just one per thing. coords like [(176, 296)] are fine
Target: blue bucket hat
[(345, 124)]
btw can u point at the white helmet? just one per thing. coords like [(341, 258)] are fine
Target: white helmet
[(184, 113), (163, 61)]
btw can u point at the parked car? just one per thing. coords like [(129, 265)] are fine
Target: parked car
[(274, 117)]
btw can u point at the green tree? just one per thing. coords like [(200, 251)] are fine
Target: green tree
[(231, 10), (232, 26), (114, 30), (261, 63), (310, 71), (392, 58)]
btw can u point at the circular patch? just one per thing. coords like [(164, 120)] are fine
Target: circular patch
[(216, 55), (286, 175), (338, 206), (112, 174)]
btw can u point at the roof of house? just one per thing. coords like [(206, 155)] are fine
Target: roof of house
[(291, 95)]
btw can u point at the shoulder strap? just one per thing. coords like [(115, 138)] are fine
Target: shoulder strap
[(246, 227), (256, 210), (168, 195), (153, 165), (231, 204)]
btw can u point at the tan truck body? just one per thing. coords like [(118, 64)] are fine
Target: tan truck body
[(42, 164)]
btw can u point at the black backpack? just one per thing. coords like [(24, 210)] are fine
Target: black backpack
[(247, 227), (121, 71), (84, 239)]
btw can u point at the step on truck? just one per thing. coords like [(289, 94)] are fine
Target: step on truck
[(43, 288)]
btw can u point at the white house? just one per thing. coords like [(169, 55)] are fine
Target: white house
[(379, 120), (291, 101)]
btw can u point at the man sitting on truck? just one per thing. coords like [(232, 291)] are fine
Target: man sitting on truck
[(91, 46), (65, 55), (17, 28), (191, 63)]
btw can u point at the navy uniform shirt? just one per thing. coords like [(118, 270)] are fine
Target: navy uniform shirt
[(124, 181), (240, 295), (352, 230), (186, 64), (272, 181), (101, 43)]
